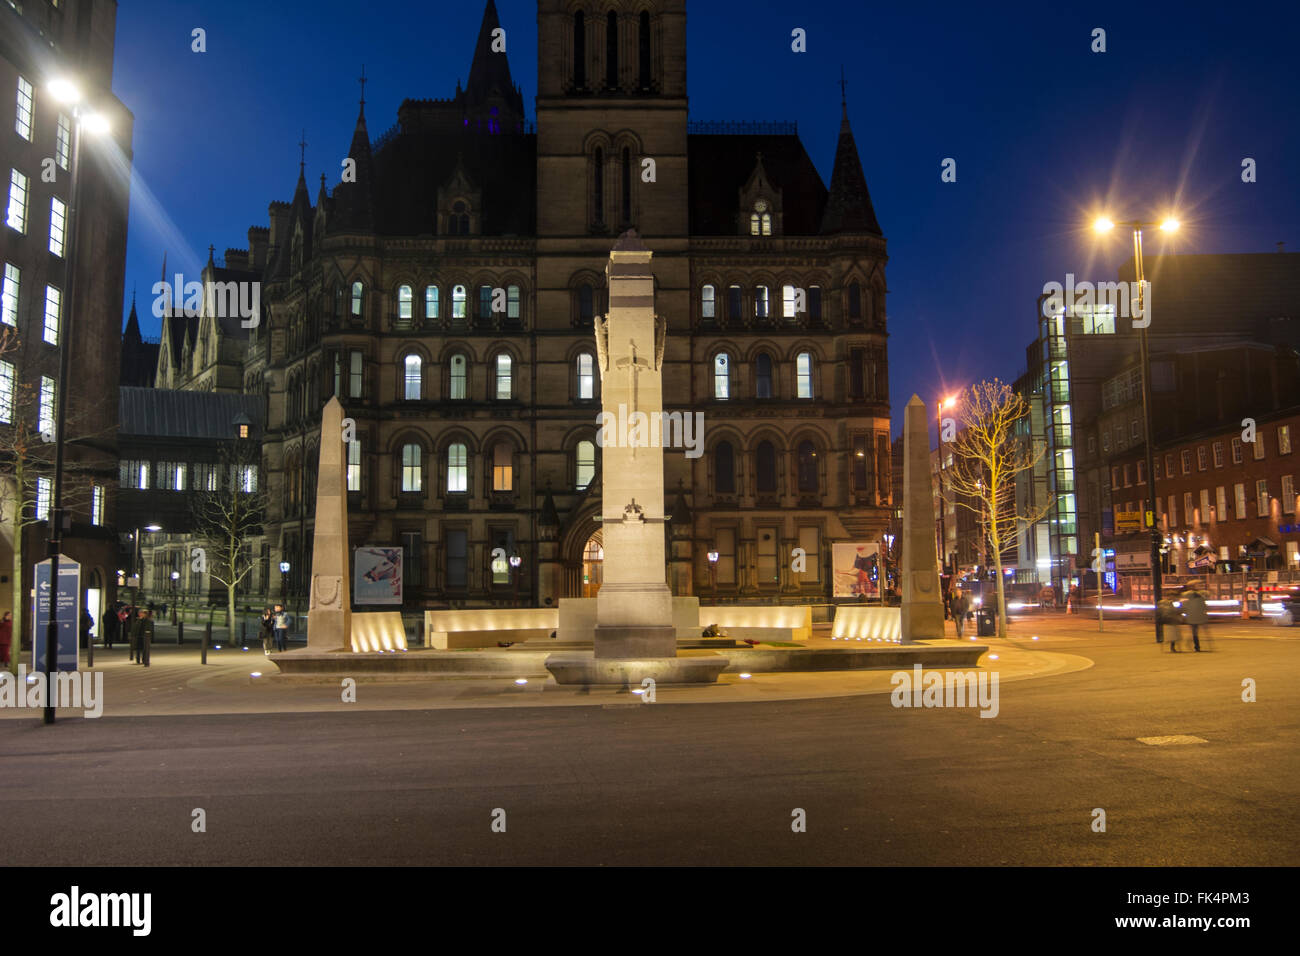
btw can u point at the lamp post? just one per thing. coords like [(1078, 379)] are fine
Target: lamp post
[(939, 407), (515, 562), (1168, 225), (713, 571), (176, 576), (284, 581), (67, 93)]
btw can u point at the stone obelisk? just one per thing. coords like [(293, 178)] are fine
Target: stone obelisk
[(634, 608), (922, 602), (329, 616)]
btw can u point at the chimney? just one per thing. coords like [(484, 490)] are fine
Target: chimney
[(258, 239)]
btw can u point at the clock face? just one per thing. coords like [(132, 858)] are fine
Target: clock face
[(760, 206)]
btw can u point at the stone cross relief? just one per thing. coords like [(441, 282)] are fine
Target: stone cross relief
[(635, 366)]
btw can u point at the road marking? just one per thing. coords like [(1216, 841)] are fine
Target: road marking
[(1171, 739)]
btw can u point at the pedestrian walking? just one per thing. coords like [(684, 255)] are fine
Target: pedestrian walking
[(1195, 614), (281, 627), (6, 637), (87, 625), (960, 607), (267, 628), (109, 623)]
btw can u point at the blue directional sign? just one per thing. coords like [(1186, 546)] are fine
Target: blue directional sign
[(68, 590)]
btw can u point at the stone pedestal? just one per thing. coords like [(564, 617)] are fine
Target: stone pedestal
[(922, 602)]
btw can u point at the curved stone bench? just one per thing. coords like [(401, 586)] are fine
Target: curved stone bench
[(855, 622)]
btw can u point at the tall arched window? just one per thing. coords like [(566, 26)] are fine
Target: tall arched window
[(760, 220), (413, 379), (765, 468), (627, 185), (579, 51), (357, 291), (458, 386), (412, 469), (724, 469), (611, 51), (458, 221), (585, 464), (762, 303), (708, 303), (405, 303), (855, 302), (431, 302), (512, 302), (598, 186), (803, 375), (763, 376), (586, 376), (503, 471), (505, 384), (586, 306), (807, 456), (643, 49), (457, 469), (722, 376), (458, 302)]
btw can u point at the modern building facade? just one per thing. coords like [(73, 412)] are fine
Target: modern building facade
[(62, 286), (446, 293)]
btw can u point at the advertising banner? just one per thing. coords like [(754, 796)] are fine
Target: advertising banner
[(377, 578), (855, 569), (69, 613)]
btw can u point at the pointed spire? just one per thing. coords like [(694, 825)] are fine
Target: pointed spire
[(211, 250), (132, 335), (363, 82), (354, 201), (489, 75), (164, 268), (848, 203)]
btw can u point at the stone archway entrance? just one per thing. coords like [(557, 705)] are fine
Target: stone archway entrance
[(593, 559)]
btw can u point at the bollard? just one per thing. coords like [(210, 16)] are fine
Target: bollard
[(90, 650), (180, 633), (147, 643), (203, 645)]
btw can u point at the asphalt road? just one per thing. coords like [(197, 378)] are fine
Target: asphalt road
[(700, 784)]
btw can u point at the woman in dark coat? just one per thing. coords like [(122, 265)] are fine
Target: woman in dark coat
[(267, 628)]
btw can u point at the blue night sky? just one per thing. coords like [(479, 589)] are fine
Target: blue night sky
[(1044, 131)]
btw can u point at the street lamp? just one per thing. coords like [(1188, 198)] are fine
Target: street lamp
[(176, 576), (1168, 225), (713, 570), (939, 407), (515, 562), (66, 92)]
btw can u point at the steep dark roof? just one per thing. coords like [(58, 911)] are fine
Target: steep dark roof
[(848, 207), (413, 164), (167, 413), (181, 328), (489, 72), (354, 207), (720, 165), (232, 326)]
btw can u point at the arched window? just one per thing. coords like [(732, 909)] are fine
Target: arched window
[(485, 303), (458, 302), (643, 49), (412, 469), (611, 51), (855, 302), (760, 220), (586, 376), (585, 464), (708, 305), (724, 469), (356, 298), (405, 303), (763, 376), (598, 186), (803, 375), (457, 469), (789, 301), (722, 376), (762, 303), (431, 302), (807, 456), (512, 302), (505, 384), (627, 185), (459, 387), (413, 378), (579, 51), (765, 468), (458, 221), (503, 471), (733, 303), (586, 306), (354, 465)]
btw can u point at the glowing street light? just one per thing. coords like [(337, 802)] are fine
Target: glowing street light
[(1170, 224)]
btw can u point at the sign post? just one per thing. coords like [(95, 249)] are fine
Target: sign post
[(69, 587)]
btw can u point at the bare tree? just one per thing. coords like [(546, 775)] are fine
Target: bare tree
[(27, 456), (228, 512), (988, 453)]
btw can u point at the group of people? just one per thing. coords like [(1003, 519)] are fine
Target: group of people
[(133, 624), (274, 627), (1190, 609)]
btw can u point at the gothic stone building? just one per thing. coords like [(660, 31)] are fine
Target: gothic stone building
[(446, 294)]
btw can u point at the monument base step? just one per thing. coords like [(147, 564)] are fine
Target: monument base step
[(572, 669)]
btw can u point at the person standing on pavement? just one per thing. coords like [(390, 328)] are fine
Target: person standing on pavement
[(1195, 614), (960, 607), (109, 623), (6, 637), (281, 627), (267, 628)]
